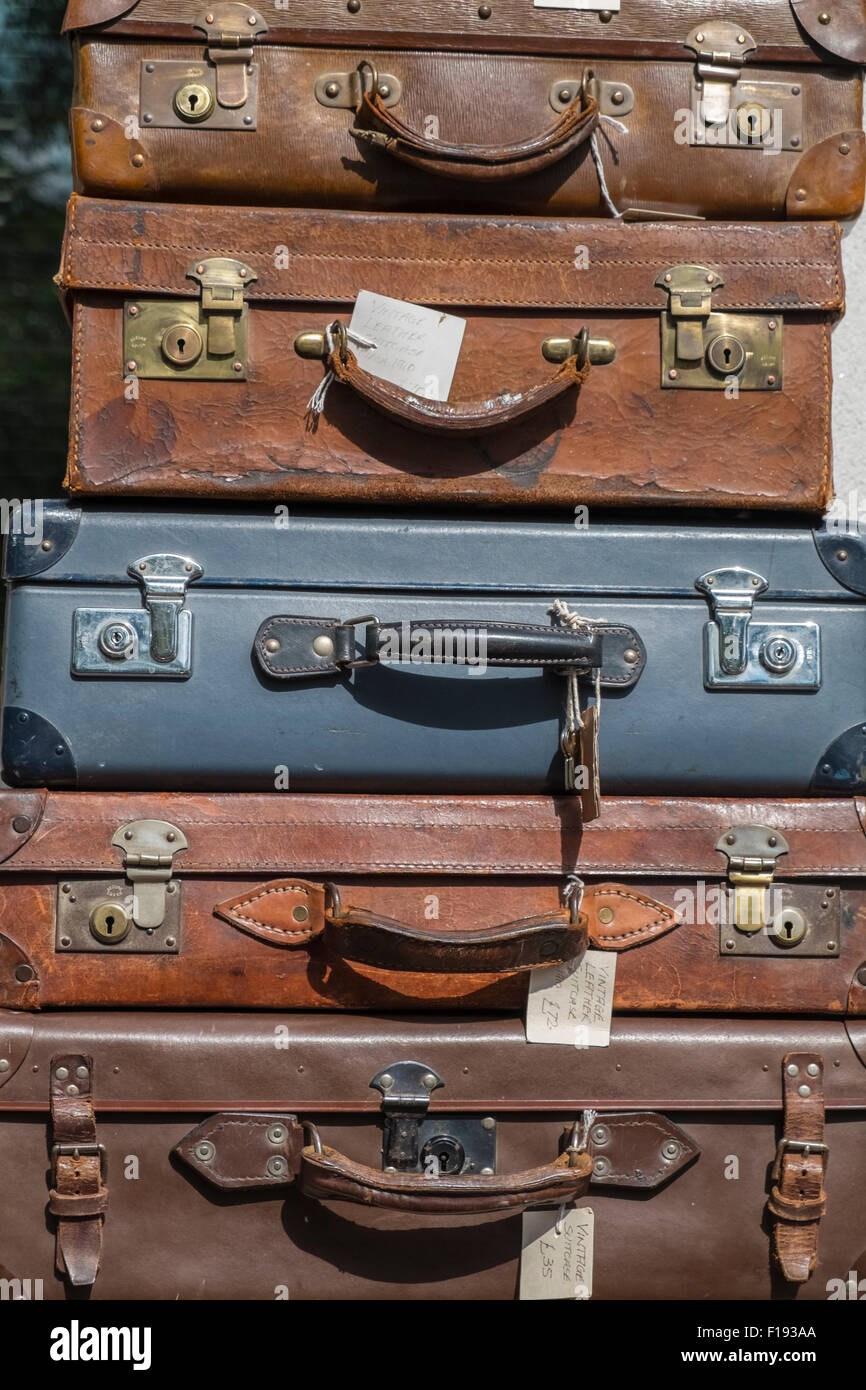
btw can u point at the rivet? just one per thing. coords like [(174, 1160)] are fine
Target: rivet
[(668, 278), (65, 887), (804, 1091), (97, 124), (565, 95), (813, 1069), (773, 841), (332, 90), (831, 945), (487, 1172), (386, 1081), (300, 914), (861, 975), (765, 1067), (795, 141), (772, 325), (237, 366), (127, 834), (138, 160), (301, 1068), (24, 973), (208, 19), (826, 767), (710, 278), (771, 381), (617, 98), (792, 1069), (248, 120), (488, 1122), (353, 6), (252, 19), (171, 837), (673, 373), (243, 272), (605, 16), (672, 1149), (600, 1134), (134, 311), (72, 898), (272, 645), (323, 646), (72, 1090), (189, 567), (824, 18), (618, 1066), (62, 1073), (65, 941), (795, 91), (484, 12), (844, 149), (741, 38), (631, 656), (729, 839), (605, 915), (729, 945), (428, 1080), (147, 118), (171, 888), (841, 554), (801, 195), (148, 67), (277, 1167), (132, 366), (170, 941), (601, 1167), (20, 824), (384, 91), (276, 1134), (204, 1151), (830, 893), (23, 716), (4, 1065)]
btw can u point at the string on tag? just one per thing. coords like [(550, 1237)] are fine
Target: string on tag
[(316, 403), (587, 1120), (573, 719), (573, 893), (599, 166)]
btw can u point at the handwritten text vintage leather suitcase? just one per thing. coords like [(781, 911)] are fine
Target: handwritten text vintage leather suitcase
[(274, 1156), (706, 378), (282, 901), (701, 108), (216, 650)]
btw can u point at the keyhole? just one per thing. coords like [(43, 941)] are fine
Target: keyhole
[(109, 924), (193, 99), (753, 126), (727, 357), (181, 346), (789, 928), (443, 1163)]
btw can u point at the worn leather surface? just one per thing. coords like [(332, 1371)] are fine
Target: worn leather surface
[(831, 172), (78, 1198), (621, 440), (797, 1199), (443, 865), (301, 153), (845, 33)]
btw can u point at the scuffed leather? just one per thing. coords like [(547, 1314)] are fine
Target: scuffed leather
[(797, 1201), (829, 181), (78, 1198)]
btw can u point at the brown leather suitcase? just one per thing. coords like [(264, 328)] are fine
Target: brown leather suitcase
[(704, 378), (298, 901), (243, 1156), (741, 112)]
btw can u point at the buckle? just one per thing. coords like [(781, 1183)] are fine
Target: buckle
[(359, 622), (800, 1146), (81, 1151)]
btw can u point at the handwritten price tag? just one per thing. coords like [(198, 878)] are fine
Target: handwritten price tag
[(415, 348), (572, 1007), (556, 1261)]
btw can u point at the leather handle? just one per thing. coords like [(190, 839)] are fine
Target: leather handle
[(330, 1176), (297, 913), (450, 418), (479, 163)]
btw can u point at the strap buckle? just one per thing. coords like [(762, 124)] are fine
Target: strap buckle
[(800, 1146), (76, 1151), (355, 663)]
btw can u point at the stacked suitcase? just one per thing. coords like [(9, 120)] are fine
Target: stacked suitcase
[(433, 851)]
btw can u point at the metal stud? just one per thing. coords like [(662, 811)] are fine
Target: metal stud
[(605, 915), (277, 1134), (72, 1090), (4, 1064), (62, 1073), (204, 1151), (600, 1134), (82, 1073), (630, 656), (813, 1069), (487, 1172), (428, 1080), (272, 645), (601, 1167), (671, 1150), (323, 646), (792, 1069), (804, 1091), (386, 1081), (488, 1122), (277, 1167)]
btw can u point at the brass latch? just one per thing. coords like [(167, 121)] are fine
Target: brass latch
[(230, 30), (721, 50), (752, 851), (221, 91), (707, 351), (205, 341), (140, 914)]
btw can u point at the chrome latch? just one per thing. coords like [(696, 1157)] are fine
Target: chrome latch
[(751, 851), (164, 339), (706, 351), (222, 91), (721, 50), (140, 914), (155, 640), (740, 653), (414, 1142)]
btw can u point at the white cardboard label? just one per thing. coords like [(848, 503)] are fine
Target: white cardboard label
[(572, 1007), (578, 5), (556, 1260), (416, 348)]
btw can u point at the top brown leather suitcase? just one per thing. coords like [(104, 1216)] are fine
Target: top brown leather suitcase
[(690, 108)]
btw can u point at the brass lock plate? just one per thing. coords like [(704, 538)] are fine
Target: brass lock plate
[(776, 118), (741, 352), (96, 916), (167, 340), (166, 103), (802, 920)]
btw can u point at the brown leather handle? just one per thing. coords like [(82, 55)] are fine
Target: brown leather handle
[(330, 1176), (451, 417), (295, 912), (480, 163)]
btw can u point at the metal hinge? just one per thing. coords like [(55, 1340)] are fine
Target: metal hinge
[(707, 351), (204, 341), (155, 640), (221, 92), (729, 108), (140, 914), (413, 1142), (740, 653)]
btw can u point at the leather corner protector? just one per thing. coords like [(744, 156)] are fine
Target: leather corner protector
[(107, 162), (841, 769), (237, 1151), (87, 14), (830, 179), (843, 553), (35, 753), (285, 912), (620, 918), (843, 31), (20, 814), (19, 983)]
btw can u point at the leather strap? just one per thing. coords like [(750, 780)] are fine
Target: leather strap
[(797, 1200), (619, 918), (637, 1151), (479, 163), (453, 417), (78, 1197), (295, 913)]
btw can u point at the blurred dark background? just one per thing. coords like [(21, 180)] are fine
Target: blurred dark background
[(35, 181)]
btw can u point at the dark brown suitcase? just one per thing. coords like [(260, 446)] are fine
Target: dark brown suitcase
[(305, 902), (185, 382), (491, 108), (243, 1156)]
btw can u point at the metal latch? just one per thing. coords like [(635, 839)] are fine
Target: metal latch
[(751, 851), (155, 640), (707, 351), (204, 341), (414, 1142), (730, 108), (135, 915), (740, 653), (721, 50), (221, 92), (771, 919)]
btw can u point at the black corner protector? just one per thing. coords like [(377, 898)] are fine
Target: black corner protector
[(38, 536), (844, 555), (34, 753), (841, 769)]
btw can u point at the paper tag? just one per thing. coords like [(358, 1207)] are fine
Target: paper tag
[(416, 348), (597, 5), (556, 1260), (572, 1007)]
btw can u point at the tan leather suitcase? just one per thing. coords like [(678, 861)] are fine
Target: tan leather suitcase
[(696, 108), (278, 1157), (336, 902), (703, 376)]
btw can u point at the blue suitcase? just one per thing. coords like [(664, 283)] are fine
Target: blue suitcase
[(225, 650)]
